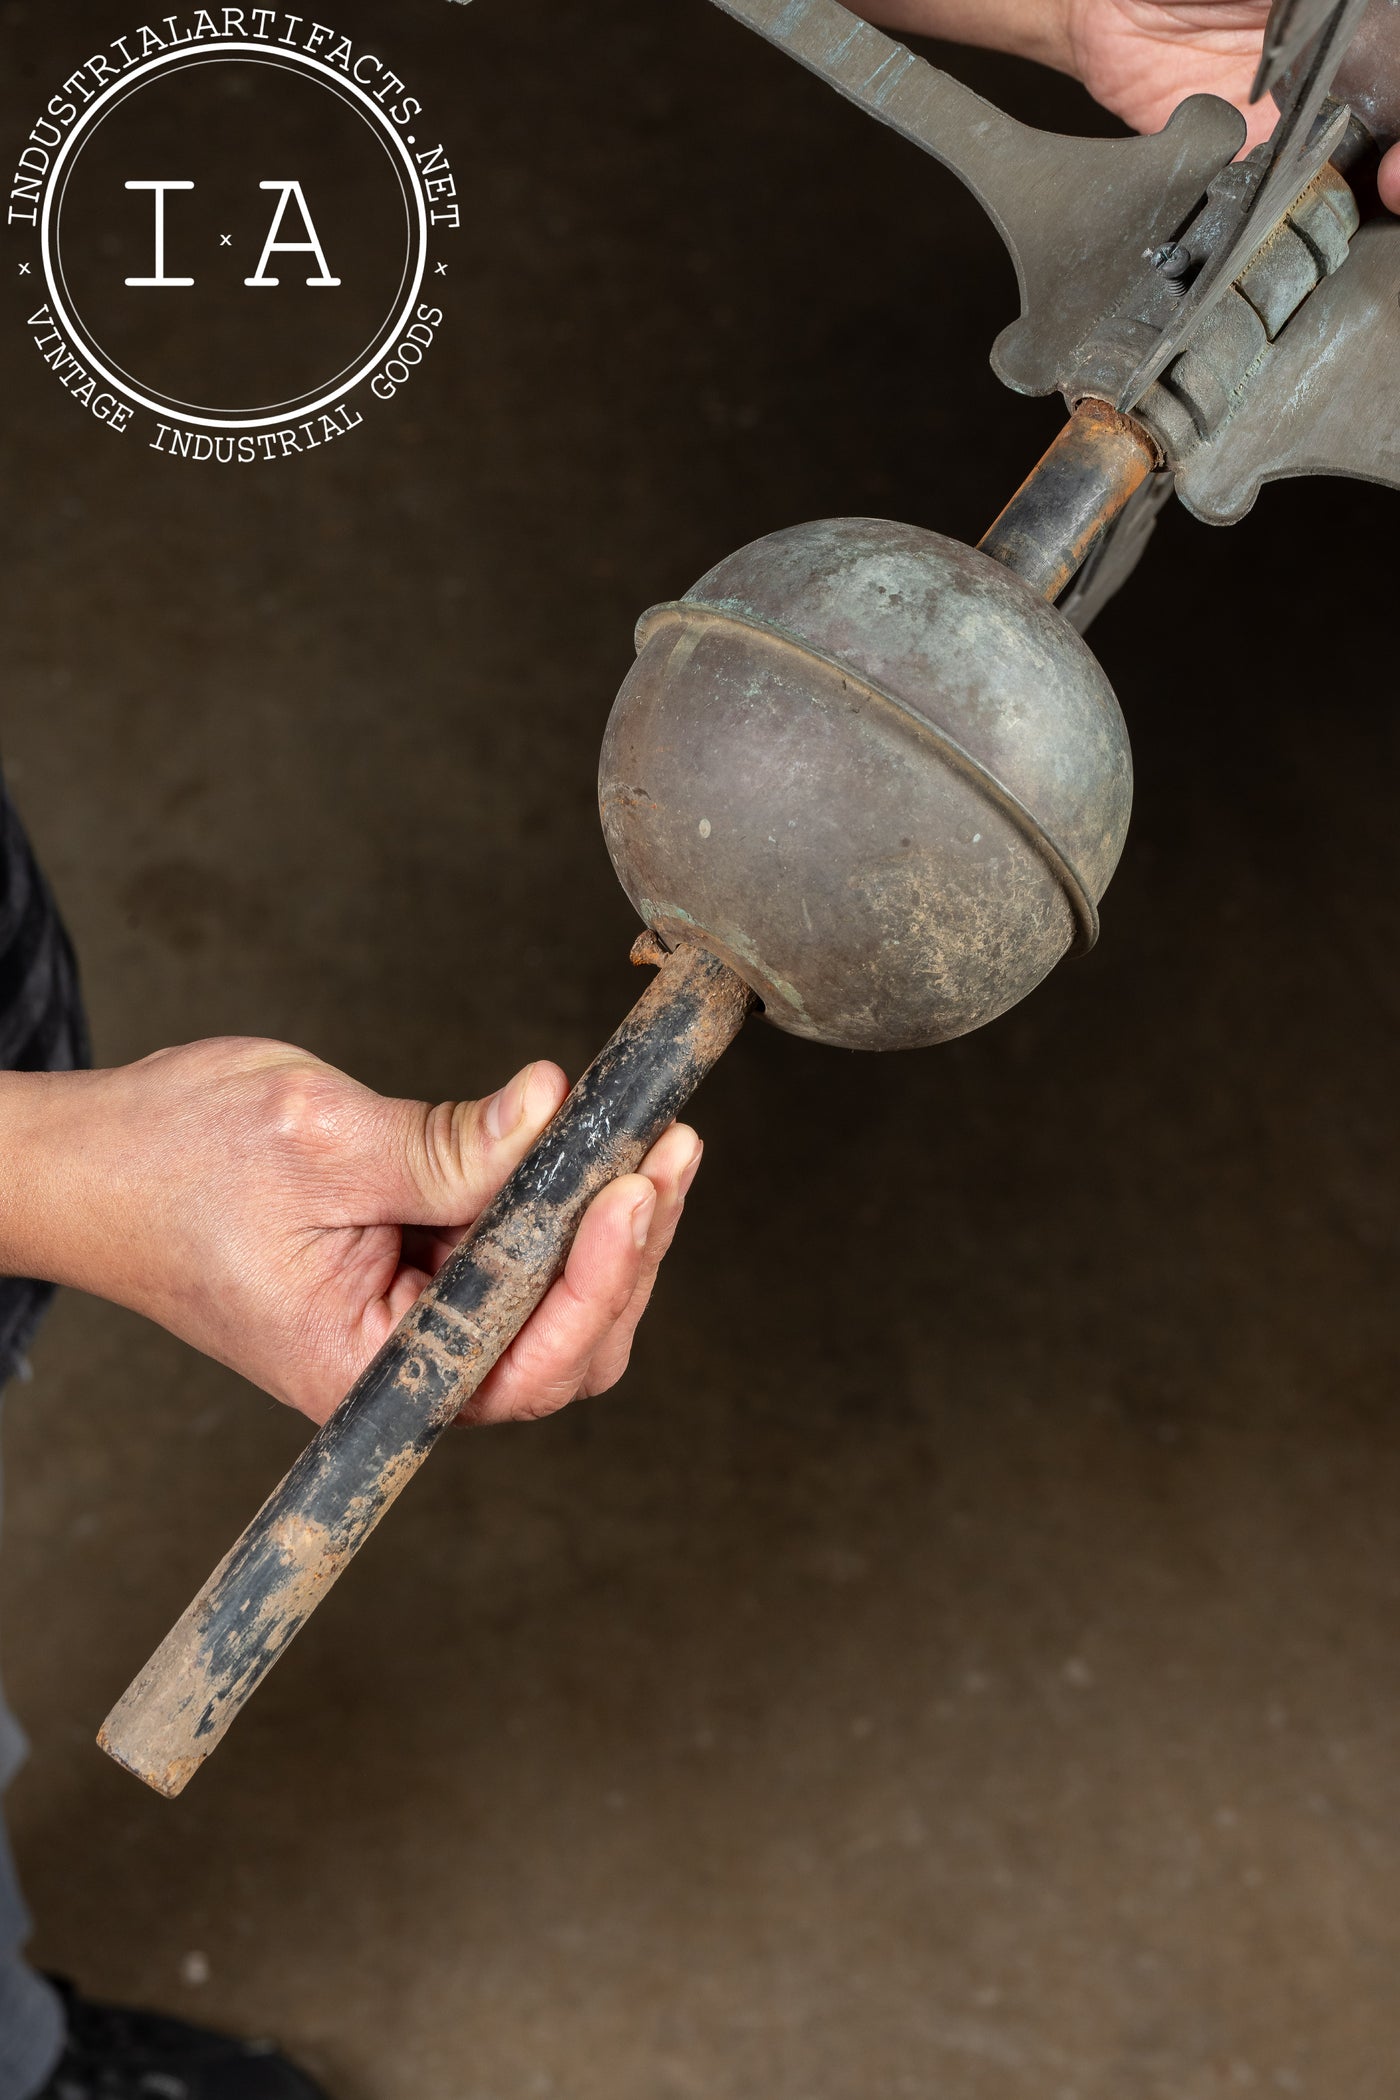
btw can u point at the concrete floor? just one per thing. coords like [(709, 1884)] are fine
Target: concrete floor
[(987, 1691)]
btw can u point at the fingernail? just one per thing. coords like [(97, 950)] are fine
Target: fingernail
[(642, 1217), (689, 1173), (504, 1110)]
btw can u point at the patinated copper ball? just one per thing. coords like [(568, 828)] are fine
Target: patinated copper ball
[(876, 774)]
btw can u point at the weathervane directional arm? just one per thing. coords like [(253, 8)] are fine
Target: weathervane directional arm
[(1075, 214)]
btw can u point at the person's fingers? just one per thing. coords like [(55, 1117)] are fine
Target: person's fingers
[(441, 1166), (546, 1364), (671, 1166), (1390, 180), (669, 1169)]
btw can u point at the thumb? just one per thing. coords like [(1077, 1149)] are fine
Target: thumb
[(1390, 179), (451, 1160)]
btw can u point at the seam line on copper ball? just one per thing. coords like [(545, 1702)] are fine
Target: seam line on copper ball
[(1077, 893)]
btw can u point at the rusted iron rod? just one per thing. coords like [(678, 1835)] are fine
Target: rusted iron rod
[(1096, 465), (256, 1601)]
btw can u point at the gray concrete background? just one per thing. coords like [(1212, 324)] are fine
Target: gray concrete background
[(989, 1692)]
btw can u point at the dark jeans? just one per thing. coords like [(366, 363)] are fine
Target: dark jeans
[(31, 2021), (41, 1029)]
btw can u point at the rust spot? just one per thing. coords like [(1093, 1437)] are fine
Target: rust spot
[(1096, 465)]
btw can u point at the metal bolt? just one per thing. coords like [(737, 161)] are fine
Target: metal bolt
[(1173, 261)]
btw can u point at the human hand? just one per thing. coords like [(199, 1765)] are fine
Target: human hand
[(282, 1218), (1139, 58)]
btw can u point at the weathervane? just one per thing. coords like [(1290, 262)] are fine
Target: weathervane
[(870, 781)]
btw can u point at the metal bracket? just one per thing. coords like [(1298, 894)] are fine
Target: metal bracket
[(1325, 399), (1088, 221), (1310, 130), (1075, 214)]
